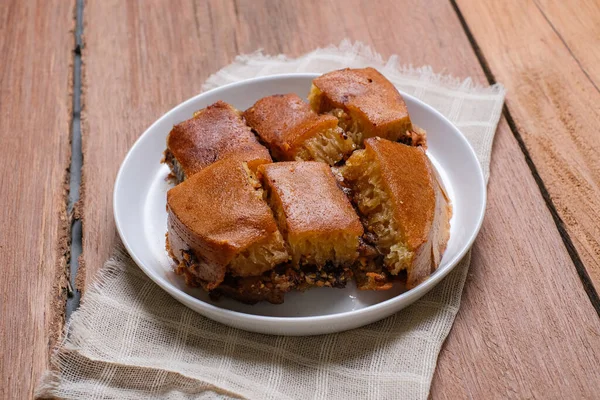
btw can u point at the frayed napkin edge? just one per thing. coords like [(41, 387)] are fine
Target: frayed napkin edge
[(390, 67)]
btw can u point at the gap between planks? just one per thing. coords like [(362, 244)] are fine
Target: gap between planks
[(567, 241), (75, 168)]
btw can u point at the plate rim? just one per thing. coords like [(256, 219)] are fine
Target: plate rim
[(304, 321)]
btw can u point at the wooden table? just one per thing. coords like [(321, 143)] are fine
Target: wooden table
[(528, 326)]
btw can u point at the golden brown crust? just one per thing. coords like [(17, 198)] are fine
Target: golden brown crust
[(312, 200), (367, 97), (408, 179), (215, 132), (218, 214), (419, 204), (284, 122), (314, 215)]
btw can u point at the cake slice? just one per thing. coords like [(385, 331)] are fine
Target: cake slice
[(366, 105), (293, 131), (314, 216), (405, 211), (219, 224), (215, 132)]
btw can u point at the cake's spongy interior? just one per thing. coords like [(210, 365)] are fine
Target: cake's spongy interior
[(312, 248), (358, 126), (320, 249), (329, 146), (262, 255), (321, 104), (362, 173)]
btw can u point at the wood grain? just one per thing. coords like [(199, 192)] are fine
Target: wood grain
[(556, 108), (578, 25), (526, 329), (35, 109), (525, 318)]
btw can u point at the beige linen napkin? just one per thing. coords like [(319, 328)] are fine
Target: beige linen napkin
[(131, 340)]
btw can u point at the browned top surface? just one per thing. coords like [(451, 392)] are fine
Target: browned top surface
[(311, 199), (219, 211), (285, 121), (215, 132), (408, 179), (364, 91)]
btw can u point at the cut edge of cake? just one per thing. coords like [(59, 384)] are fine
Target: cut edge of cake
[(210, 258), (355, 108), (288, 126), (331, 239), (412, 259)]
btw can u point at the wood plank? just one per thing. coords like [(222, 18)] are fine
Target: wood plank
[(35, 104), (579, 28), (126, 63), (555, 107), (525, 328)]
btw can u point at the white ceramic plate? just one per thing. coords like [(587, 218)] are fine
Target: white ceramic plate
[(141, 219)]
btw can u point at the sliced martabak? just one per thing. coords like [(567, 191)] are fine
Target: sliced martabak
[(366, 105), (293, 131), (214, 133), (315, 217), (404, 210), (219, 224)]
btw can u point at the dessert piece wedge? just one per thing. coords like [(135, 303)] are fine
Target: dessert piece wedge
[(314, 216), (366, 104), (293, 131), (215, 132), (404, 209), (219, 224)]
